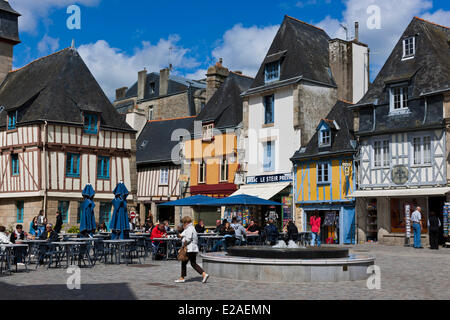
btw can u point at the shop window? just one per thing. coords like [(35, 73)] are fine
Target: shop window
[(103, 168), (105, 213), (15, 164), (90, 123), (398, 214), (20, 206), (372, 221), (269, 104), (63, 207), (73, 165)]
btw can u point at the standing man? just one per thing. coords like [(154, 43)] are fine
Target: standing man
[(41, 222), (59, 222), (434, 224), (416, 219)]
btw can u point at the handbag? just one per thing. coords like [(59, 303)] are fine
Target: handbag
[(182, 253)]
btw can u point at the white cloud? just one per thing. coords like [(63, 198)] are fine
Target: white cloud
[(394, 17), (114, 68), (34, 10), (244, 48), (48, 45)]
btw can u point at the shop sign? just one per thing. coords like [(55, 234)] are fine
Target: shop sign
[(400, 175), (408, 221), (286, 177)]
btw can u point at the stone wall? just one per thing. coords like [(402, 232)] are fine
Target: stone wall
[(8, 211), (6, 59), (169, 107)]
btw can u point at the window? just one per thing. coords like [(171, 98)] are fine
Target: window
[(381, 154), (272, 71), (208, 131), (202, 172), (73, 165), (63, 207), (15, 164), (20, 205), (90, 123), (325, 137), (150, 113), (269, 157), (399, 99), (164, 176), (224, 170), (105, 212), (409, 47), (323, 170), (80, 203), (103, 168), (269, 109), (422, 150), (152, 88), (12, 120)]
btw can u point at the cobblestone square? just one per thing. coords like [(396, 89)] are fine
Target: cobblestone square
[(406, 273)]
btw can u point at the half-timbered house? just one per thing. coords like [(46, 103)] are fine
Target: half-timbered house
[(402, 127), (159, 167), (59, 132)]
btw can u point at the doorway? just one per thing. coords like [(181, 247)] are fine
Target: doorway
[(436, 204)]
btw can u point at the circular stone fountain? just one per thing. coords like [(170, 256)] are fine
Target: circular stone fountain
[(268, 264)]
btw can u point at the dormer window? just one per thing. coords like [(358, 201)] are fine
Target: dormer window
[(272, 71), (208, 132), (90, 123), (409, 47), (12, 120), (399, 99), (324, 137)]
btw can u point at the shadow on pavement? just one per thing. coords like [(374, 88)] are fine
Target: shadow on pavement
[(112, 291)]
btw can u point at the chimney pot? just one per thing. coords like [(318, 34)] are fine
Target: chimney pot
[(164, 81), (357, 31), (142, 80)]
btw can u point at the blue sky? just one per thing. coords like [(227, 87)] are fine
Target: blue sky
[(119, 38)]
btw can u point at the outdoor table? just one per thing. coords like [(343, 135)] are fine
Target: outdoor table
[(12, 251), (211, 239), (33, 247), (116, 246), (170, 244), (66, 249)]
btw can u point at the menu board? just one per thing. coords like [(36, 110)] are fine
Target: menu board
[(286, 210)]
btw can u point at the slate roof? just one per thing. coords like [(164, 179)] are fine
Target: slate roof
[(177, 84), (225, 106), (155, 144), (428, 72), (304, 53), (9, 27), (342, 137), (57, 88)]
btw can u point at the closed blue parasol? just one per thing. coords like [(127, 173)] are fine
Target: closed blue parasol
[(87, 219), (119, 222)]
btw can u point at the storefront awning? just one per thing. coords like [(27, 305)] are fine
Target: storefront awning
[(264, 190), (400, 193)]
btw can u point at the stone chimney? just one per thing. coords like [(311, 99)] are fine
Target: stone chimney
[(164, 81), (121, 92), (142, 80), (349, 64), (215, 76)]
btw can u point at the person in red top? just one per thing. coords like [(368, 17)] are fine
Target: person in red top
[(315, 223), (159, 232)]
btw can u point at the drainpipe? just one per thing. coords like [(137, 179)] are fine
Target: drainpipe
[(45, 166)]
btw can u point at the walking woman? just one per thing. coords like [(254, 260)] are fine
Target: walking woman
[(190, 239)]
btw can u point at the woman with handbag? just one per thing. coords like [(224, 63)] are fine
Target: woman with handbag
[(189, 250)]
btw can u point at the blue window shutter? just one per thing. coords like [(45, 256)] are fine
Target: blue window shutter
[(273, 109), (20, 211)]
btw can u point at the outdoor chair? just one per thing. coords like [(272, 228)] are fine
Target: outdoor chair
[(101, 251), (81, 254), (202, 244), (142, 247), (157, 249), (48, 254), (4, 265), (130, 252)]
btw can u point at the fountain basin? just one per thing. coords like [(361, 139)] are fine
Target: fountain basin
[(289, 269)]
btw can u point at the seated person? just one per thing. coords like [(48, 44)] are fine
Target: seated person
[(253, 228), (240, 232), (200, 227), (4, 239), (18, 234), (167, 226), (292, 231), (159, 232), (49, 234), (102, 228), (271, 232), (229, 238), (218, 226)]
